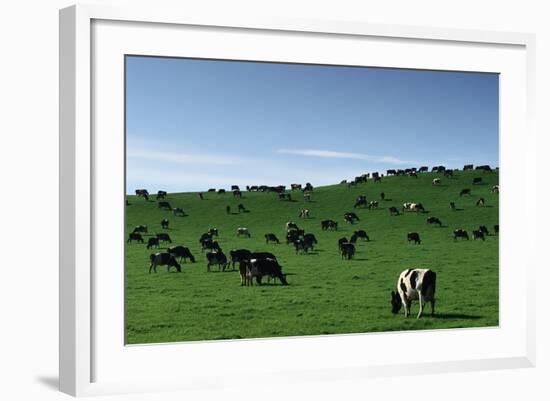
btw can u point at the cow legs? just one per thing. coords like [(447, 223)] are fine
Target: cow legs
[(150, 267), (432, 303), (420, 306)]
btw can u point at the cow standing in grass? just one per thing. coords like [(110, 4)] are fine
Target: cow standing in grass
[(163, 259), (413, 237), (412, 285)]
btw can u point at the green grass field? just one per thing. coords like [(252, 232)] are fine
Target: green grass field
[(326, 295)]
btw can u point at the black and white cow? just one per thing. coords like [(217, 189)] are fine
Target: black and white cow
[(257, 268), (178, 211), (341, 241), (181, 252), (329, 225), (413, 207), (414, 285), (477, 180), (468, 167), (164, 224), (216, 258), (373, 205), (163, 259), (484, 230), (360, 201), (465, 191), (495, 189), (304, 214), (271, 237), (213, 232), (161, 195), (460, 233), (412, 236), (135, 237), (239, 255), (436, 181), (164, 205), (350, 217), (294, 187), (480, 202), (210, 245), (140, 229), (243, 231), (478, 234)]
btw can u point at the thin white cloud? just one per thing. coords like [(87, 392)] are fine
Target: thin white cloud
[(183, 158), (345, 155)]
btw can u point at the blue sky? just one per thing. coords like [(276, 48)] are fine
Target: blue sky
[(195, 124)]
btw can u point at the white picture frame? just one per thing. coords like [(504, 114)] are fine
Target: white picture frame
[(91, 358)]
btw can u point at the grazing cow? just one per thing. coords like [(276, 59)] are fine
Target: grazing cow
[(310, 238), (262, 255), (452, 206), (164, 205), (303, 245), (163, 259), (496, 228), (181, 252), (164, 223), (307, 196), (292, 236), (152, 242), (347, 250), (382, 196), (448, 173), (212, 190), (393, 211), (413, 237), (213, 232), (142, 192), (433, 220), (468, 167), (423, 169), (308, 187), (478, 234), (164, 237), (485, 167), (329, 225), (304, 214), (484, 230), (237, 194), (480, 202), (257, 268), (140, 229), (178, 211), (239, 255), (210, 245), (341, 241), (413, 207), (241, 208), (295, 187), (205, 237), (460, 233), (412, 285), (216, 258), (235, 188), (283, 196), (290, 225), (350, 217), (436, 181), (228, 209), (477, 180), (135, 237), (373, 205), (465, 191), (362, 234), (391, 172), (272, 238), (244, 273), (221, 191), (243, 231), (161, 195), (377, 179), (360, 201), (495, 189), (413, 174)]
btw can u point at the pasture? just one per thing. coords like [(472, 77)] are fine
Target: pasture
[(326, 295)]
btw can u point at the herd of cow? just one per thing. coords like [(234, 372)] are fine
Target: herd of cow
[(412, 284)]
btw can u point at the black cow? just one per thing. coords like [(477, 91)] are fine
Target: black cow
[(205, 237), (216, 258), (478, 234), (423, 169), (257, 268), (360, 201), (433, 220), (235, 188), (210, 245), (237, 194), (213, 232), (292, 236), (140, 229), (413, 237), (393, 211), (484, 167), (239, 255), (164, 237), (465, 191), (164, 224), (347, 250), (163, 259), (460, 233), (164, 205), (382, 196), (211, 190), (141, 192), (390, 172), (161, 195), (477, 180), (135, 237), (301, 245), (329, 225), (228, 209), (468, 167), (361, 234), (350, 217), (221, 191), (178, 211), (311, 238), (262, 255), (152, 242), (271, 237), (341, 241), (181, 252), (484, 230), (448, 173), (283, 196)]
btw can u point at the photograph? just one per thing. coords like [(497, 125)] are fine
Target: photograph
[(277, 199)]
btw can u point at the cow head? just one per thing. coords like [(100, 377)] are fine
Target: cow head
[(395, 302)]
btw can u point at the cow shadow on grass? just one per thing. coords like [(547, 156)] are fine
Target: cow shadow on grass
[(444, 316)]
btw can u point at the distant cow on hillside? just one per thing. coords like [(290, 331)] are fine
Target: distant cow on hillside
[(164, 205), (465, 191), (135, 237), (162, 237), (161, 195), (433, 220), (477, 180), (181, 252), (413, 237), (164, 223), (216, 258), (347, 250), (393, 211), (272, 238), (243, 231), (163, 259), (460, 233)]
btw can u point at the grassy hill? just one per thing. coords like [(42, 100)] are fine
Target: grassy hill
[(326, 295)]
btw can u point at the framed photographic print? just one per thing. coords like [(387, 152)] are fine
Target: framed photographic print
[(293, 198)]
